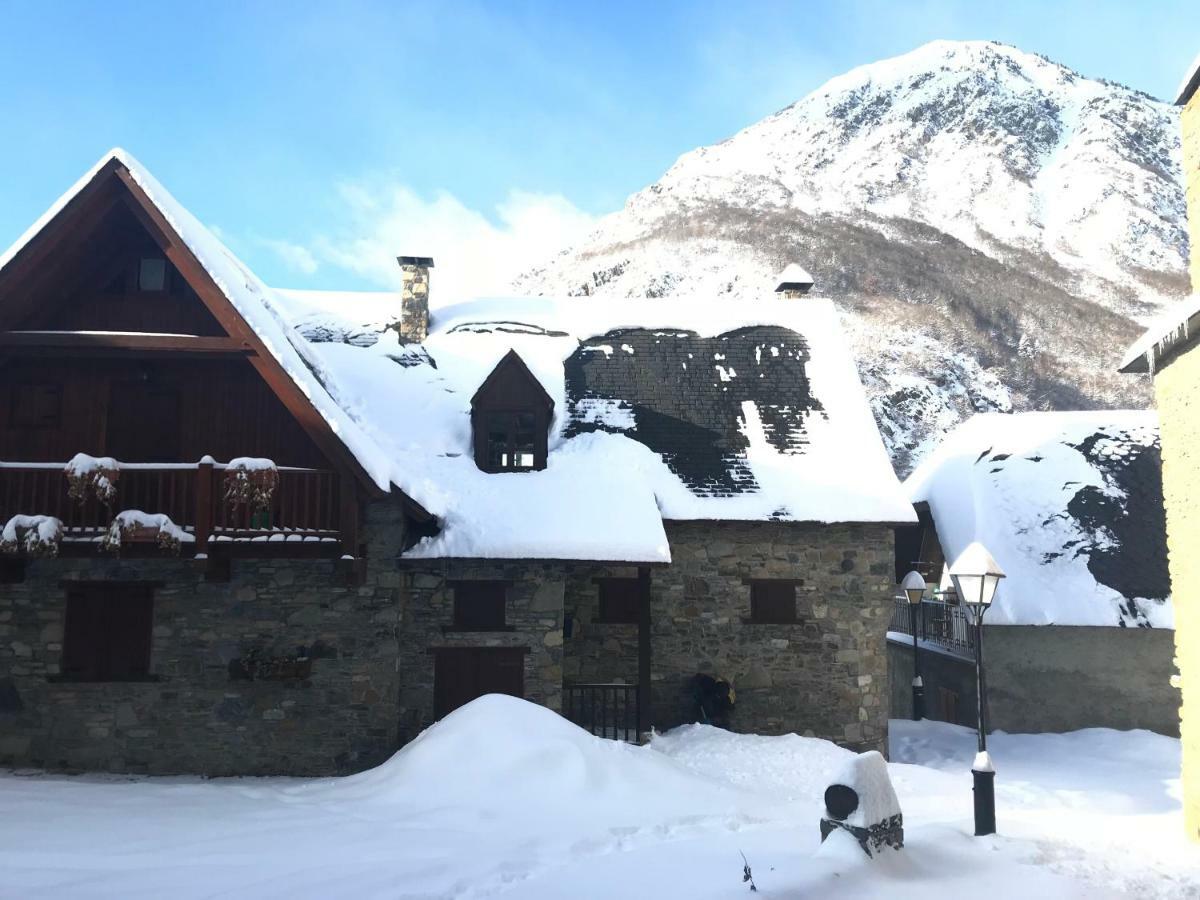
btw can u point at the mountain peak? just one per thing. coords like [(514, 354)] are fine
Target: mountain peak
[(1008, 215)]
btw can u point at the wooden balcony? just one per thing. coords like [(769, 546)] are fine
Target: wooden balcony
[(313, 512)]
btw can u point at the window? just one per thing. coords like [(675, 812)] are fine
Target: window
[(152, 274), (619, 600), (511, 442), (35, 406), (479, 605), (107, 633), (773, 602)]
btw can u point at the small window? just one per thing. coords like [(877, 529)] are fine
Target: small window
[(152, 274), (35, 406), (107, 632), (773, 602), (618, 601), (511, 442), (479, 605)]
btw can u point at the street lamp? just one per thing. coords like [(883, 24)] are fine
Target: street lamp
[(913, 586), (976, 575)]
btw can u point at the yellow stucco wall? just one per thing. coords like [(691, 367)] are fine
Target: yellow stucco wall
[(1191, 176), (1177, 393)]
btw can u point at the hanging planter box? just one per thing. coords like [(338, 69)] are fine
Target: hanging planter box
[(251, 482), (91, 476)]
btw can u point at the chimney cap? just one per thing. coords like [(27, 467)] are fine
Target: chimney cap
[(426, 261), (794, 278)]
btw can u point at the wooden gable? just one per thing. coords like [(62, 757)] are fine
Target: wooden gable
[(512, 386), (70, 289)]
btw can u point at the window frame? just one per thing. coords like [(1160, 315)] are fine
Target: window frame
[(166, 275), (467, 592), (605, 612), (92, 635), (758, 602), (509, 420)]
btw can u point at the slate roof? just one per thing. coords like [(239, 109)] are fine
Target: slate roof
[(1069, 504)]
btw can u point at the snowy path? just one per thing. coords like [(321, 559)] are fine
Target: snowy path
[(505, 798)]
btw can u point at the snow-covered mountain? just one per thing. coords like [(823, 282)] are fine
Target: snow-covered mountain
[(994, 225)]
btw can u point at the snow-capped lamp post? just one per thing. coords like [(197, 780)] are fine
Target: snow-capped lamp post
[(913, 586), (976, 575)]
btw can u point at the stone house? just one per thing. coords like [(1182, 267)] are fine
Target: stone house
[(1168, 351), (309, 524), (1080, 634)]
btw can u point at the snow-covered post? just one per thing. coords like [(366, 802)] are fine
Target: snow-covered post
[(976, 576), (204, 503), (862, 802)]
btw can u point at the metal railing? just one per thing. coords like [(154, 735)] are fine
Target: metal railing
[(938, 623), (606, 710)]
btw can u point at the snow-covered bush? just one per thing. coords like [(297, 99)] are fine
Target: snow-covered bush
[(91, 475), (33, 535), (133, 524), (251, 481)]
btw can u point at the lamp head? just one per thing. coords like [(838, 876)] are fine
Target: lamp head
[(976, 575), (913, 586)]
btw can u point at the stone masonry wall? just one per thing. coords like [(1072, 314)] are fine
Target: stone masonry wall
[(825, 676), (534, 609), (599, 652), (194, 717)]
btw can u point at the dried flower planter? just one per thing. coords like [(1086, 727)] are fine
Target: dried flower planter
[(33, 536), (119, 534), (251, 487), (99, 483)]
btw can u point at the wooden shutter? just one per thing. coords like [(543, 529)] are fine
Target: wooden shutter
[(108, 631), (35, 406), (773, 602), (619, 600), (479, 604), (461, 674)]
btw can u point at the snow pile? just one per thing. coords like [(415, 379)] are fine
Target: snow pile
[(505, 798), (1051, 495)]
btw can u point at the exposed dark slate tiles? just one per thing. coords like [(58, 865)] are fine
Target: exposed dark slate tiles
[(686, 392)]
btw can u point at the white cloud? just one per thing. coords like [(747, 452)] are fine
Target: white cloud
[(295, 256), (473, 253)]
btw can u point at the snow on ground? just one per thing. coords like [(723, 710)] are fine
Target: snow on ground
[(506, 798)]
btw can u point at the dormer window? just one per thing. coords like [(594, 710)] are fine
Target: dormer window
[(510, 418)]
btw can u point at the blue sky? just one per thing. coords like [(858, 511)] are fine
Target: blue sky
[(323, 138)]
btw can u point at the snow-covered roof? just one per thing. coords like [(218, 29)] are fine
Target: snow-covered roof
[(1069, 504), (248, 295), (1172, 327), (665, 409), (1190, 83), (793, 276)]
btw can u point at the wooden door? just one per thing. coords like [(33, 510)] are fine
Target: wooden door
[(143, 422), (460, 674)]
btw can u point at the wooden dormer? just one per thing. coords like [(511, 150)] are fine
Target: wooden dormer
[(510, 419)]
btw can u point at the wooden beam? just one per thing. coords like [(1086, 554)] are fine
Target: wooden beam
[(120, 341)]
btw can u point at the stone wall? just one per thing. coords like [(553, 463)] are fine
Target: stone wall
[(825, 676), (599, 652), (1053, 678), (534, 610), (194, 716)]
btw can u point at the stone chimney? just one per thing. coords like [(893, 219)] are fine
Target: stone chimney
[(793, 282), (413, 326)]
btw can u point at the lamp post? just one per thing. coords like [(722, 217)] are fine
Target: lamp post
[(976, 575), (913, 586)]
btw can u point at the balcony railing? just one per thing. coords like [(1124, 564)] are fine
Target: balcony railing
[(606, 710), (938, 623), (307, 506)]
